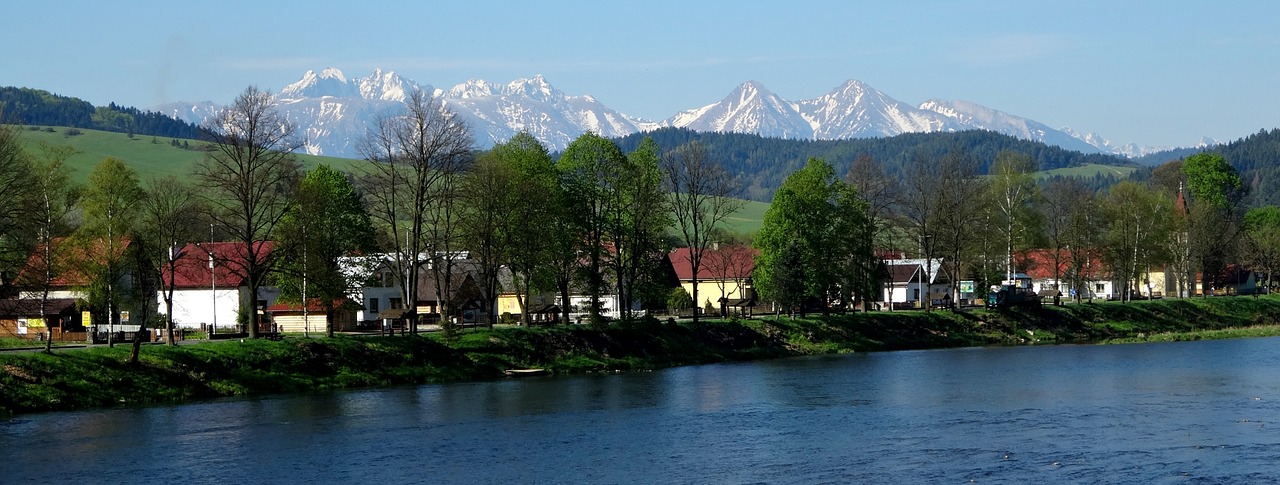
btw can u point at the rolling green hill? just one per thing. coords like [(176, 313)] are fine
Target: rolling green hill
[(150, 159), (161, 159)]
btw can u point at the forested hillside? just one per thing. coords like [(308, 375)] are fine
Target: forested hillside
[(764, 162), (26, 106)]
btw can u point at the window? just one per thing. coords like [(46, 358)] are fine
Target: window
[(397, 303), (373, 305)]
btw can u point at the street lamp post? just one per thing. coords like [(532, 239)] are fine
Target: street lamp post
[(213, 284)]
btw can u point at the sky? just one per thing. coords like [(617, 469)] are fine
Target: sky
[(1158, 73)]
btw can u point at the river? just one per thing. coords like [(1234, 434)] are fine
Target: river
[(1185, 412)]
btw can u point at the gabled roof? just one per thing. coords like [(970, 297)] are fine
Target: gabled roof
[(192, 268), (69, 256), (909, 270), (1038, 264), (724, 263)]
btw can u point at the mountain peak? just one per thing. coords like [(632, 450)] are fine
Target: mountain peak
[(535, 88), (386, 86), (330, 82)]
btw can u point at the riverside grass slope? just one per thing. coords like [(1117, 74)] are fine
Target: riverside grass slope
[(98, 377)]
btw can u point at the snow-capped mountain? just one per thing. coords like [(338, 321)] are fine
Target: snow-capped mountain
[(971, 115), (497, 113), (748, 109), (856, 110), (334, 112)]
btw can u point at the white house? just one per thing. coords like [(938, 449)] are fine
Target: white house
[(208, 285), (907, 281)]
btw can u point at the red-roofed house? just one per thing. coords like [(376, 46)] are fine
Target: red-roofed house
[(204, 296), (724, 277), (1094, 282), (75, 262)]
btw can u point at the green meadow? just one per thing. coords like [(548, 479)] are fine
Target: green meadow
[(1088, 171), (150, 159)]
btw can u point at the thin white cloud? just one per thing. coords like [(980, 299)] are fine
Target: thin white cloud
[(262, 63), (1005, 49)]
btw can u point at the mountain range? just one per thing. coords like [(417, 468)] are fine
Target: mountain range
[(333, 111)]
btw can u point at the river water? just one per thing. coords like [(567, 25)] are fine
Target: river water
[(1190, 412)]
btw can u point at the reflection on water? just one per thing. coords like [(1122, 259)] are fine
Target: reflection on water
[(1196, 411)]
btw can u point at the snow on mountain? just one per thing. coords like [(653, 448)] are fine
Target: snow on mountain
[(975, 116), (497, 113), (333, 112), (856, 110), (750, 108)]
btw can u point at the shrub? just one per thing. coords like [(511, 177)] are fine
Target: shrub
[(72, 132), (679, 299)]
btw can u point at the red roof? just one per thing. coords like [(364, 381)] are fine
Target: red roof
[(69, 254), (725, 263), (1038, 264), (192, 269)]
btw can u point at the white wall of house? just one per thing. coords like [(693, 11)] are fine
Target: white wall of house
[(197, 308), (911, 292), (375, 300)]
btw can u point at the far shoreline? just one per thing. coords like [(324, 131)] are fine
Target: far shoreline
[(85, 378)]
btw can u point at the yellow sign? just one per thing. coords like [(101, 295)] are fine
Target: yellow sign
[(35, 322), (86, 318)]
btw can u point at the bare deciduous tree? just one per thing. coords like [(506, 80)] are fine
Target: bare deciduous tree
[(170, 220), (248, 176), (417, 159), (702, 197)]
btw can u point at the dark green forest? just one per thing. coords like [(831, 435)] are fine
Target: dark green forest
[(26, 106), (763, 163)]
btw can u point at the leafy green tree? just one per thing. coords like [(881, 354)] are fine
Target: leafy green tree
[(247, 178), (325, 222), (1262, 236), (802, 220), (639, 218), (1211, 179), (1137, 228), (534, 229), (110, 202), (786, 279), (702, 197), (488, 200), (15, 191), (590, 169), (1214, 224)]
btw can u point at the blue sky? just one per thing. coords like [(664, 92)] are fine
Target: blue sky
[(1153, 73)]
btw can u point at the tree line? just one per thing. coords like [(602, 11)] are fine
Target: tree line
[(36, 107), (596, 221), (826, 232), (763, 163)]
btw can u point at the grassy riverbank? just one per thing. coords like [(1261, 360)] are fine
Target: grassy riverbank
[(97, 377)]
